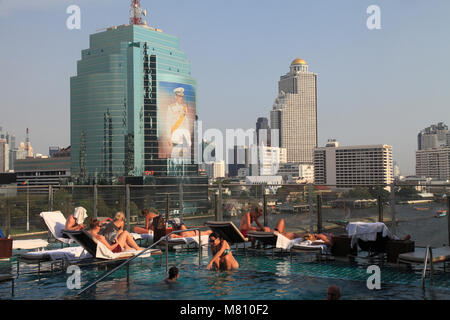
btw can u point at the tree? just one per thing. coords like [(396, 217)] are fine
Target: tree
[(406, 192), (358, 193)]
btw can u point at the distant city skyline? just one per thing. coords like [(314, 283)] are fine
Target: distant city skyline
[(375, 86)]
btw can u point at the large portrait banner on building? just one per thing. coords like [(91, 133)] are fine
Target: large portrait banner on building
[(176, 117)]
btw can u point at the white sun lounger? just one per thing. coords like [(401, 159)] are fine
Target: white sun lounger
[(186, 242), (29, 244), (56, 222)]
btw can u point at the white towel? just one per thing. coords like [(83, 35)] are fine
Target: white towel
[(80, 215), (283, 242), (70, 253), (29, 244), (190, 240), (366, 231), (104, 253), (309, 244), (55, 222)]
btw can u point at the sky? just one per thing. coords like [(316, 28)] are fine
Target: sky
[(374, 86)]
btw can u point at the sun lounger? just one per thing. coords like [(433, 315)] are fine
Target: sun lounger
[(228, 231), (67, 254), (56, 222), (418, 256), (276, 240), (186, 242), (99, 250), (29, 244)]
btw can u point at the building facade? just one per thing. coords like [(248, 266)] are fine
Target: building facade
[(349, 166), (433, 163), (432, 137), (42, 171), (294, 113), (269, 160), (238, 158)]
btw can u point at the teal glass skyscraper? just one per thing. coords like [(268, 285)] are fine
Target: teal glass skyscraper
[(133, 108)]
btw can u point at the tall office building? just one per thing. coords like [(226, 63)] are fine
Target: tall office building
[(348, 166), (4, 156), (262, 132), (238, 158), (294, 113), (133, 107), (432, 137)]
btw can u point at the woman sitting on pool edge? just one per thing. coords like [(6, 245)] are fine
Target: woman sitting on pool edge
[(123, 242), (222, 256)]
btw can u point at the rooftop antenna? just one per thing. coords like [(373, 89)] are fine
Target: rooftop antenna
[(136, 13)]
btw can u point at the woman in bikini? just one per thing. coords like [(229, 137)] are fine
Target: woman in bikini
[(186, 234), (122, 242), (222, 256)]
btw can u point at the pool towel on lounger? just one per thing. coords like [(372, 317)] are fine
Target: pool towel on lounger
[(68, 254), (56, 222), (308, 244), (366, 231), (104, 253), (29, 244)]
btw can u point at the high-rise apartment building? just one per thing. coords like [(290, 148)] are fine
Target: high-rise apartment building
[(353, 165), (294, 113), (433, 163), (432, 137)]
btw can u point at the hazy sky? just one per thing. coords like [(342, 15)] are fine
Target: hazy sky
[(374, 86)]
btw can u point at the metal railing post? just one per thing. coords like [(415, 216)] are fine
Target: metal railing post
[(50, 198), (220, 202), (181, 198), (95, 200), (394, 221), (127, 210), (448, 218), (311, 208), (8, 218), (167, 207), (319, 214), (265, 208), (216, 206), (28, 208), (380, 209)]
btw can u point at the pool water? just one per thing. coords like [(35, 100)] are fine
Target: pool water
[(259, 277)]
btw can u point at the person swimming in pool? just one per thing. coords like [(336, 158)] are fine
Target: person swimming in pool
[(222, 256), (174, 274)]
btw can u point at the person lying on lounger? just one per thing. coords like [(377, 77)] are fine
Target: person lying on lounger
[(222, 256), (186, 234), (75, 221), (148, 214), (123, 242), (316, 237)]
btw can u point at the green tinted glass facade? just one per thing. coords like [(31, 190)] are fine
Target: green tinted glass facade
[(115, 106)]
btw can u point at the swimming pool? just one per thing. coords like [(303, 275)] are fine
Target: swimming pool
[(259, 277)]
